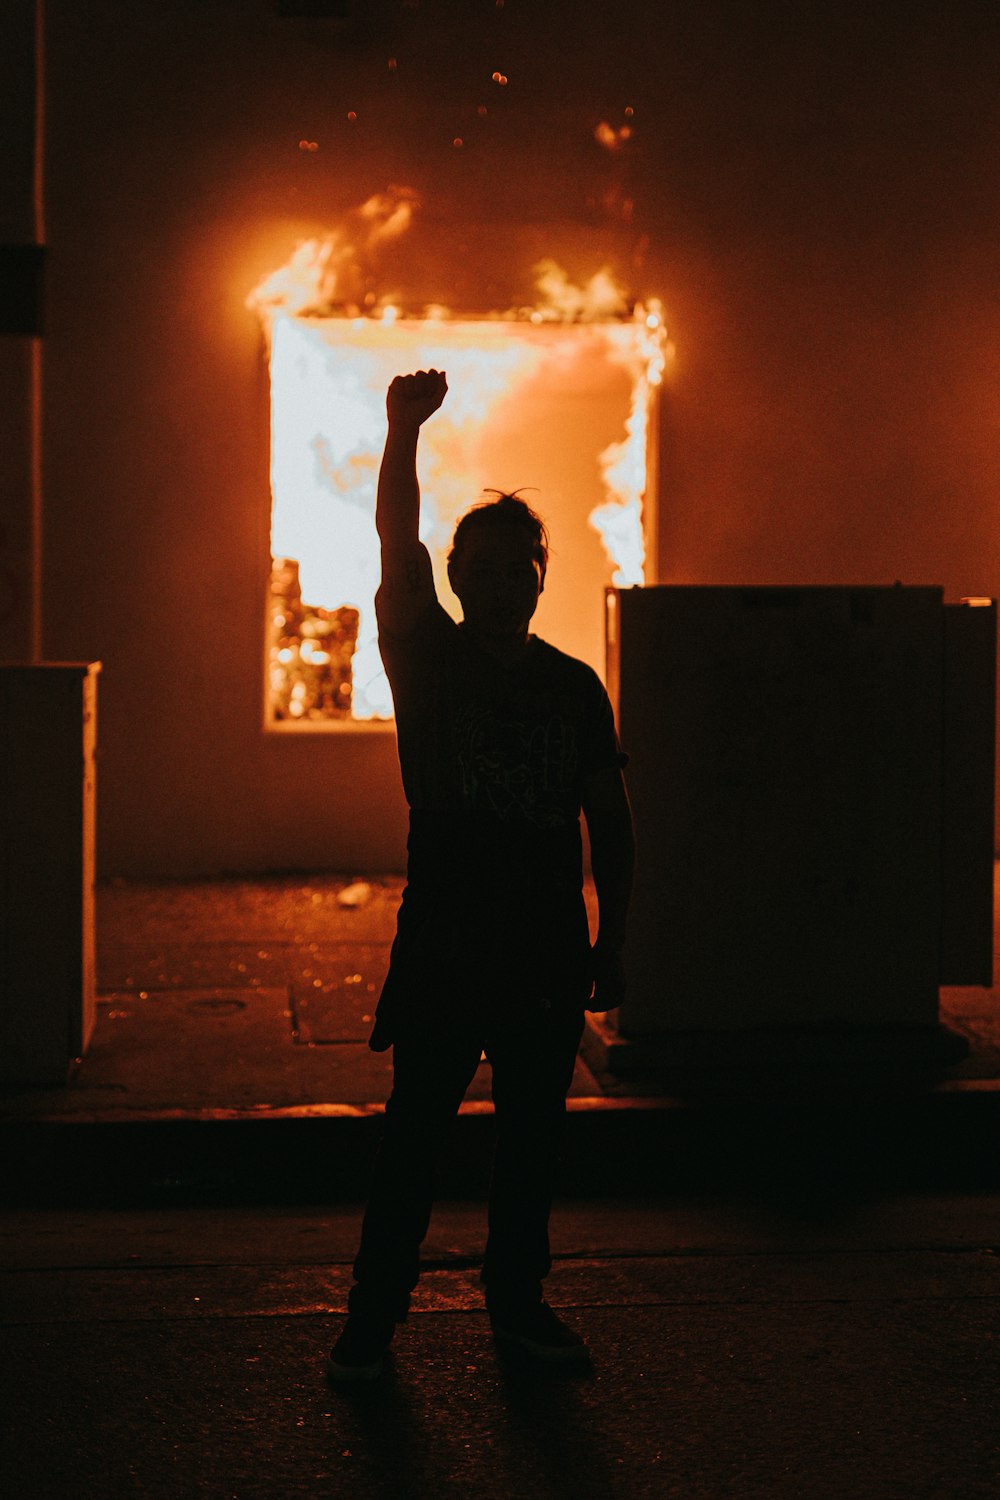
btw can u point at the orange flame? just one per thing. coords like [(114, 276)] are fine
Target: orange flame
[(328, 276), (329, 374)]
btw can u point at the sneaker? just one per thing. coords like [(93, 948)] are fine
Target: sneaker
[(360, 1351), (536, 1329)]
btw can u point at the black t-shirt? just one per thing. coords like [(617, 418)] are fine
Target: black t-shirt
[(493, 761)]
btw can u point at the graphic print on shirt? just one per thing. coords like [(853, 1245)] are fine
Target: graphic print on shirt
[(519, 772)]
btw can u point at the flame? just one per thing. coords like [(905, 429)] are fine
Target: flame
[(624, 465), (328, 382), (329, 375), (329, 275), (563, 302)]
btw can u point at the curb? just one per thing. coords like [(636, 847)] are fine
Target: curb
[(945, 1139)]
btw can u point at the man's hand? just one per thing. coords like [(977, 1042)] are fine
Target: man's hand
[(609, 976), (412, 398)]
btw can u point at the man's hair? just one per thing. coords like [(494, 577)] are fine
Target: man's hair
[(510, 512)]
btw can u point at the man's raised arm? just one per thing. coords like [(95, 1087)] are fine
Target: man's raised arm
[(407, 580)]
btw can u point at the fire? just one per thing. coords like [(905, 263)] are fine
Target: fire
[(562, 302), (519, 385), (624, 465), (329, 276)]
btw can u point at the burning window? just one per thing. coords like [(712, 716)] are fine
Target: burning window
[(555, 401)]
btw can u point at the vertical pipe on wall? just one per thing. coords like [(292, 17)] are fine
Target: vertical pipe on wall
[(21, 269), (35, 438)]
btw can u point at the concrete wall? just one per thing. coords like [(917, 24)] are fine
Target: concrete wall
[(813, 194)]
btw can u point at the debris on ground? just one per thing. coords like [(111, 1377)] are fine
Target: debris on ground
[(358, 893)]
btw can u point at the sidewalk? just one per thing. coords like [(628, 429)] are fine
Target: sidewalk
[(229, 1005), (740, 1349)]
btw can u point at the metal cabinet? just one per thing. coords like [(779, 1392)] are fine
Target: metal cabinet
[(812, 780), (48, 731)]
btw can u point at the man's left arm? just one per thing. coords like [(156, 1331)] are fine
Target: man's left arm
[(612, 857)]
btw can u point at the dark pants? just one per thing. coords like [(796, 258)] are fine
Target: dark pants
[(532, 1061)]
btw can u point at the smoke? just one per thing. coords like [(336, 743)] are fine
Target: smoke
[(334, 276), (561, 301)]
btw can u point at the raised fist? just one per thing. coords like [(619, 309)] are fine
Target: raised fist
[(412, 398)]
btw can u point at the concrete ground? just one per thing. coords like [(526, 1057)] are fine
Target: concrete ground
[(742, 1347), (230, 1064), (257, 995), (789, 1292)]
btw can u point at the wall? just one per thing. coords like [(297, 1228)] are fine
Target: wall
[(21, 231), (810, 190)]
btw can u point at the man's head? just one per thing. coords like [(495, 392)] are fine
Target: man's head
[(497, 564)]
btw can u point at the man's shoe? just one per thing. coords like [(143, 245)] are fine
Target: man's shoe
[(536, 1329), (360, 1351)]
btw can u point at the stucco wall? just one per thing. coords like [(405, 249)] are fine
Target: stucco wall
[(815, 201)]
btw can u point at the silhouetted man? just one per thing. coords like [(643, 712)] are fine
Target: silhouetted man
[(502, 740)]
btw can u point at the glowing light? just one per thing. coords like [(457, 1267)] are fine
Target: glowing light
[(329, 374), (606, 135), (352, 115), (458, 141), (323, 276), (329, 378), (619, 521), (564, 302)]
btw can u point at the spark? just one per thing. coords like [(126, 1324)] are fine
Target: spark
[(607, 135)]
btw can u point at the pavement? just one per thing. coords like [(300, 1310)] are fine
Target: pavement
[(229, 1064), (744, 1347), (790, 1285)]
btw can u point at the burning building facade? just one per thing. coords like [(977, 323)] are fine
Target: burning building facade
[(559, 396), (813, 205)]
